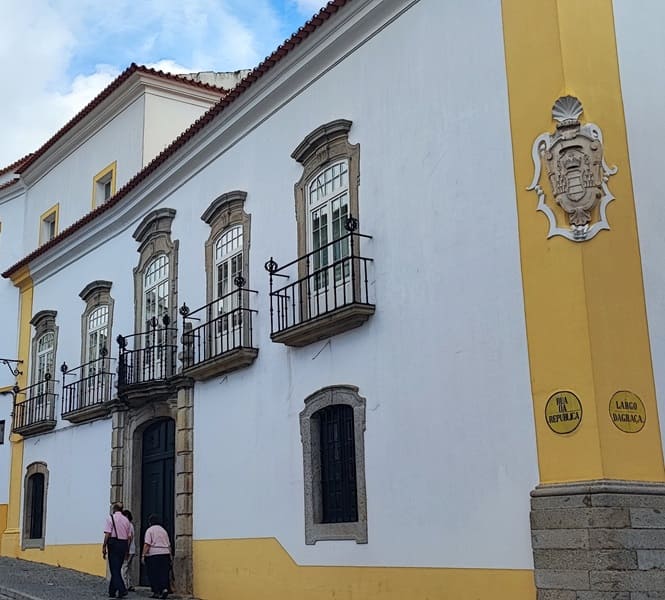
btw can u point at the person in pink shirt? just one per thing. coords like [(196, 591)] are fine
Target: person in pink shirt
[(157, 557), (117, 535)]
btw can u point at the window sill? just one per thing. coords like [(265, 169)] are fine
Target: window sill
[(317, 532), (324, 326)]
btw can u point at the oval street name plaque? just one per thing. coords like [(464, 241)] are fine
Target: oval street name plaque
[(563, 412), (627, 412)]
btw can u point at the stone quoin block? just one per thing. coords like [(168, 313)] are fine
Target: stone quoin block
[(647, 518), (562, 579), (560, 538), (585, 559), (580, 518)]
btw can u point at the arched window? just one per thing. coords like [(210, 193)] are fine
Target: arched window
[(34, 505), (328, 209), (228, 260), (98, 333), (332, 427), (44, 343), (156, 290), (45, 356)]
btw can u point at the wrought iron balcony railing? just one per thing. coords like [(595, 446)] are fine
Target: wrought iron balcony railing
[(34, 407), (331, 293), (85, 397), (148, 356), (218, 337)]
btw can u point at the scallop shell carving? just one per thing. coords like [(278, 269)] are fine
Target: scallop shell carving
[(567, 108)]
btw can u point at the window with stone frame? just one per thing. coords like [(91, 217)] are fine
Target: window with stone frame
[(96, 327), (332, 429), (35, 488), (326, 196), (44, 346), (227, 265), (155, 276)]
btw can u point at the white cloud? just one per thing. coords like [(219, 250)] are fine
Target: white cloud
[(56, 56), (310, 7)]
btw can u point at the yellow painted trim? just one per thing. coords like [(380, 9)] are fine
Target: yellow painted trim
[(110, 169), (584, 302), (54, 210), (86, 558), (10, 542), (254, 569), (3, 522)]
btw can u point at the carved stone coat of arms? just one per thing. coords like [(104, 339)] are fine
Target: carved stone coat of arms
[(577, 172)]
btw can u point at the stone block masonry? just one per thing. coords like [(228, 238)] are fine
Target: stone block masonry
[(599, 540)]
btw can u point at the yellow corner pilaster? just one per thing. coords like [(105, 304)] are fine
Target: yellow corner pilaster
[(584, 302), (10, 545)]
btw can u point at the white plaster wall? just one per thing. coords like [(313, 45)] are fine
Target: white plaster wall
[(12, 219), (70, 183), (641, 48), (165, 119), (450, 450), (79, 464)]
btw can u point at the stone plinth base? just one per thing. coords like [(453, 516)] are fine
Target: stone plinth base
[(599, 540)]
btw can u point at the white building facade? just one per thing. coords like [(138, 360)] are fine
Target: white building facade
[(313, 332)]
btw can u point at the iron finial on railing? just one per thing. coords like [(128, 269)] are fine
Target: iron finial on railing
[(103, 352), (16, 389), (64, 368), (122, 342), (166, 320), (47, 376), (240, 281), (153, 322), (271, 266), (184, 310), (351, 224)]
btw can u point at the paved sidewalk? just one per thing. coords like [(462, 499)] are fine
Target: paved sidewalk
[(25, 580)]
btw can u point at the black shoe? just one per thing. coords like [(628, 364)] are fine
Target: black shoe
[(165, 594)]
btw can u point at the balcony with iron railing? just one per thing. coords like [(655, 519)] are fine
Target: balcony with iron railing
[(87, 397), (34, 407), (147, 362), (218, 337), (330, 294)]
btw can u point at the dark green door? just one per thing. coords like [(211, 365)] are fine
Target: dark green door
[(158, 479)]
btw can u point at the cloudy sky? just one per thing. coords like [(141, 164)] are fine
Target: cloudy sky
[(56, 55)]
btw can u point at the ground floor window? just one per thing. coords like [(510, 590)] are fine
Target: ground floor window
[(332, 428), (34, 505)]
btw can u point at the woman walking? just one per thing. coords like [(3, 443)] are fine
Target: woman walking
[(157, 557)]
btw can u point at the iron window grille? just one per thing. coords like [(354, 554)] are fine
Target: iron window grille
[(339, 494)]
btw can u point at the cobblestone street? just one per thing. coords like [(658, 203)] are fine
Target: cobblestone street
[(25, 580)]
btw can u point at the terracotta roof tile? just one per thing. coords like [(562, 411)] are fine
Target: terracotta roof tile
[(9, 183), (15, 165), (298, 37)]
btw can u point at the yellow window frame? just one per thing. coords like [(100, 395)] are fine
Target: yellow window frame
[(101, 178)]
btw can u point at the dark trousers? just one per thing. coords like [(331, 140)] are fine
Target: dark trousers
[(117, 550), (158, 572)]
